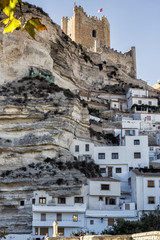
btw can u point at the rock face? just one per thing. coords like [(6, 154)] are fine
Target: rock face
[(55, 176), (37, 120), (40, 119), (55, 51)]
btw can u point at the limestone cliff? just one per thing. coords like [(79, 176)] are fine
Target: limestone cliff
[(40, 119)]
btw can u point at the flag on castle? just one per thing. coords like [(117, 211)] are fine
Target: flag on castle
[(100, 10)]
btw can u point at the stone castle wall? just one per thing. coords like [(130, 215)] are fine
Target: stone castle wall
[(80, 28), (125, 61)]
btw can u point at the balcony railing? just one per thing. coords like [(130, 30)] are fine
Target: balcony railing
[(63, 223)]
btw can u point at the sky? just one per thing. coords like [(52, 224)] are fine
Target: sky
[(132, 23)]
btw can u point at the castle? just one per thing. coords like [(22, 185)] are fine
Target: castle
[(94, 35), (91, 32)]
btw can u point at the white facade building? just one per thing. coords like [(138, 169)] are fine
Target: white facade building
[(140, 97), (117, 161), (94, 210), (145, 184)]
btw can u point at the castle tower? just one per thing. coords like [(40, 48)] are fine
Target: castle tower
[(88, 31)]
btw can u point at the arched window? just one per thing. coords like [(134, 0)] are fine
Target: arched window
[(94, 33)]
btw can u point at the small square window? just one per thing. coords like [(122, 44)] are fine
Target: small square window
[(42, 200), (150, 183), (130, 168), (100, 198), (139, 102), (110, 201), (137, 155), (91, 222), (101, 155), (136, 142), (118, 170), (114, 155), (76, 148), (78, 199), (22, 203), (61, 200), (59, 217), (110, 221), (87, 147), (43, 217), (150, 103), (75, 218), (151, 200), (103, 170), (104, 186)]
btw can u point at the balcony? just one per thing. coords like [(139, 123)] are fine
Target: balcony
[(64, 223), (62, 208)]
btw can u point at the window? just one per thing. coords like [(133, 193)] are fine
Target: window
[(43, 231), (61, 200), (87, 147), (22, 203), (101, 155), (159, 183), (139, 102), (104, 186), (94, 33), (103, 170), (130, 132), (59, 217), (43, 216), (114, 155), (130, 168), (100, 198), (110, 221), (150, 103), (151, 149), (101, 220), (110, 201), (127, 206), (118, 170), (60, 231), (75, 218), (151, 200), (78, 199), (33, 201), (91, 222), (42, 200), (76, 148), (150, 183), (36, 231), (137, 155), (136, 142)]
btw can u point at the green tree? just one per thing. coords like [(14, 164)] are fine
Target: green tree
[(148, 222), (13, 22)]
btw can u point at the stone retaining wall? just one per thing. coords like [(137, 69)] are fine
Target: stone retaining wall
[(155, 235)]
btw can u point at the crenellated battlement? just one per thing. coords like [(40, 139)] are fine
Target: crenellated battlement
[(87, 30)]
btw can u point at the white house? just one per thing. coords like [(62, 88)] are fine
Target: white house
[(145, 184), (104, 193), (67, 211), (140, 97), (94, 210), (116, 161), (154, 153)]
